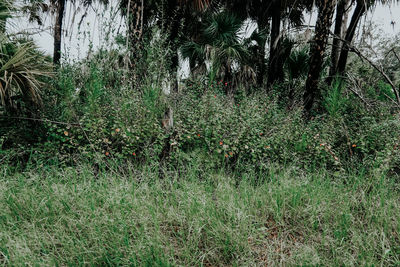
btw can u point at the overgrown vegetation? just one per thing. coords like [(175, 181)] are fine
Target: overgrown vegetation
[(111, 160), (129, 216)]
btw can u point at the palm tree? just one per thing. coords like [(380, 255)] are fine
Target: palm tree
[(296, 67), (292, 10), (173, 24), (269, 15), (219, 44), (58, 26), (34, 8), (326, 8), (21, 69), (258, 11), (168, 14), (361, 7), (340, 29)]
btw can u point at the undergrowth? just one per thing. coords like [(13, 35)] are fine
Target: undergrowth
[(130, 216)]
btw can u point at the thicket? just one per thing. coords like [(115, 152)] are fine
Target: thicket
[(92, 110), (113, 104)]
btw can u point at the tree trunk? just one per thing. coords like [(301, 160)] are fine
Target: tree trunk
[(135, 19), (171, 24), (358, 12), (340, 25), (274, 73), (135, 23), (317, 52), (261, 67), (58, 31), (345, 19)]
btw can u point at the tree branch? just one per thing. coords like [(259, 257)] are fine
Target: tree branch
[(375, 66)]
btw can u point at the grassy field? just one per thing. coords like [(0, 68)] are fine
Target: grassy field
[(71, 217)]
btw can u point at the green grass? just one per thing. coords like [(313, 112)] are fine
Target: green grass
[(70, 217)]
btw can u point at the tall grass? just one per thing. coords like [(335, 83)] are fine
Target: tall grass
[(191, 217)]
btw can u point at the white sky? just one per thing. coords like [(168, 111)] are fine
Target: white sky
[(76, 43)]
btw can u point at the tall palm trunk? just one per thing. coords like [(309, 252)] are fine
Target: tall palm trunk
[(317, 52), (60, 10), (274, 73), (173, 19), (358, 13), (261, 67), (340, 25), (135, 21)]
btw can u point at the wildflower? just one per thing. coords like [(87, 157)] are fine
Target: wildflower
[(188, 137), (117, 130), (66, 133), (226, 155), (198, 135), (230, 153), (215, 96), (261, 134), (226, 84), (107, 153), (354, 146), (134, 154), (221, 143), (267, 147)]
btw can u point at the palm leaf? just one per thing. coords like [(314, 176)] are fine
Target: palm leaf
[(297, 63), (21, 69)]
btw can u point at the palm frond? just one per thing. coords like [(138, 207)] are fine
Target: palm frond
[(193, 51), (6, 8), (297, 63), (21, 71), (223, 27)]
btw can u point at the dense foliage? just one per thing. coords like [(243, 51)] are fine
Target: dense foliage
[(249, 151)]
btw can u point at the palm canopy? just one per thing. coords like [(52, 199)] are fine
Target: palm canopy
[(35, 8), (262, 10), (218, 43)]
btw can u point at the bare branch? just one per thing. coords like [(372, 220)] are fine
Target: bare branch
[(375, 66), (395, 54)]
